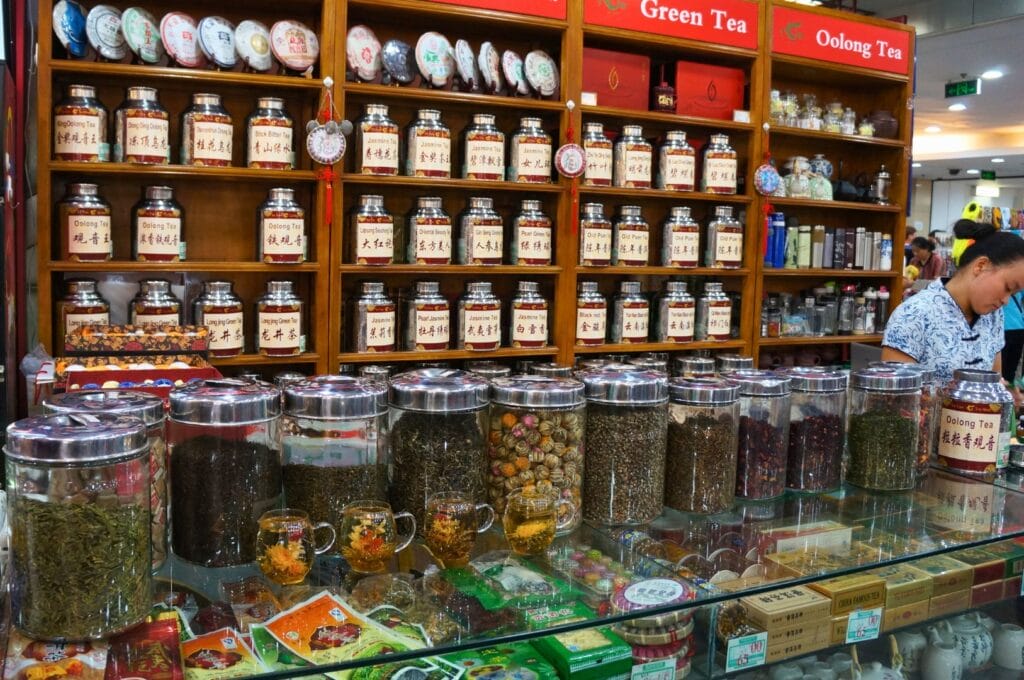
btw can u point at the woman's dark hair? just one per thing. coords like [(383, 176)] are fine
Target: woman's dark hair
[(1000, 247), (922, 243)]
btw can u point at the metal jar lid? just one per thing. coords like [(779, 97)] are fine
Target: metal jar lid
[(927, 373), (149, 407), (225, 402), (551, 370), (887, 379), (685, 366), (439, 390), (704, 391), (976, 375), (76, 439), (488, 369), (536, 391), (733, 362), (813, 379), (336, 396), (757, 383), (650, 361), (625, 387)]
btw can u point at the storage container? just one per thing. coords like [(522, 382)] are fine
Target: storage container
[(975, 423), (883, 440), (763, 434), (85, 218), (158, 227), (817, 429), (931, 405), (693, 367)]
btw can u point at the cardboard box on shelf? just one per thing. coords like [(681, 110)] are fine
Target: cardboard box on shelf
[(987, 567), (1011, 588), (1012, 554), (904, 585), (588, 654), (856, 591), (837, 629), (788, 650), (907, 615), (708, 91), (986, 593), (812, 632), (617, 79), (948, 575), (950, 603), (785, 607)]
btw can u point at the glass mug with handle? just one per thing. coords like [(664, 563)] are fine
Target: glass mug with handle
[(452, 521), (369, 535), (532, 518), (286, 545)]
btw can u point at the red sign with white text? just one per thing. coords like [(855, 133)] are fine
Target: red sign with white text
[(722, 22), (818, 36), (549, 9)]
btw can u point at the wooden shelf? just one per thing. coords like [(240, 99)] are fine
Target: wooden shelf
[(818, 71), (819, 135), (137, 72), (815, 340), (771, 273), (659, 347), (375, 93), (648, 42), (436, 184), (660, 271), (187, 266), (835, 205), (677, 196), (260, 360), (181, 172), (450, 270), (632, 116), (442, 355)]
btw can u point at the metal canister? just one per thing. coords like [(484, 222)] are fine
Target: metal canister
[(141, 129), (428, 318), (270, 133), (530, 153), (429, 146), (725, 240), (488, 369), (719, 166), (680, 240), (600, 157), (677, 163), (633, 158), (479, 317), (714, 313), (206, 132), (531, 235), (595, 236), (220, 310), (975, 423), (551, 369), (80, 127), (158, 226), (529, 320), (85, 222), (677, 312), (279, 321), (630, 315), (430, 233), (155, 304), (727, 363), (375, 320), (281, 223), (691, 366), (373, 232), (82, 306), (591, 314), (631, 237), (481, 233), (650, 361), (483, 147), (377, 142)]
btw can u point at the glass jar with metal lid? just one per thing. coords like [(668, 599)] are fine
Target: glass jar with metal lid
[(373, 239), (429, 146), (885, 405), (481, 233), (488, 369), (975, 423), (150, 409), (680, 240), (281, 225), (429, 233), (627, 426), (703, 436), (817, 429), (719, 166), (380, 373), (724, 240), (600, 157), (82, 305), (633, 159), (591, 314), (377, 142), (206, 132), (631, 314), (79, 500), (727, 363), (536, 441), (677, 163), (80, 127), (931, 405), (479, 317), (714, 313), (530, 153), (155, 304), (483, 148), (595, 236), (763, 433), (375, 324), (631, 237), (550, 369), (85, 225), (531, 236), (438, 420), (279, 321), (676, 313), (427, 318), (270, 132), (688, 366), (225, 466), (141, 127), (528, 325), (334, 444), (220, 310), (158, 226)]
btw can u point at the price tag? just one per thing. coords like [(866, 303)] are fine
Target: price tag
[(655, 670), (746, 652), (863, 625)]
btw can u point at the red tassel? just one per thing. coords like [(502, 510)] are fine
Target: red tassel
[(326, 174)]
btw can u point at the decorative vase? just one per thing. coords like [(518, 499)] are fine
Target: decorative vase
[(821, 165)]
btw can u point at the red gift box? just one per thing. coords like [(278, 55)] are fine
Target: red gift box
[(618, 79), (708, 91)]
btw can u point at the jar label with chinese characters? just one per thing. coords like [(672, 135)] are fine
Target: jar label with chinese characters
[(375, 240), (678, 170), (633, 246), (433, 241), (73, 322), (212, 141), (432, 327), (481, 328), (77, 135), (599, 166), (152, 319), (485, 243), (685, 248), (680, 322), (145, 137), (531, 162), (729, 246), (485, 158), (719, 322), (270, 144), (88, 234), (380, 330), (596, 245), (638, 168), (720, 175), (283, 235), (380, 151), (534, 243), (225, 330), (529, 326), (969, 435), (158, 236), (635, 319), (430, 154), (279, 330), (590, 325)]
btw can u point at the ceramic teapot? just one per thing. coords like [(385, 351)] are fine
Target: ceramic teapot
[(941, 661), (875, 670), (911, 644), (968, 637)]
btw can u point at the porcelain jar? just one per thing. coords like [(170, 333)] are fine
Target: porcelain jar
[(941, 661), (1009, 647), (972, 640), (911, 644)]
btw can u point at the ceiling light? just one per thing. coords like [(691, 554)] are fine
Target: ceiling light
[(974, 171), (959, 106), (992, 74), (933, 129), (915, 165), (998, 160)]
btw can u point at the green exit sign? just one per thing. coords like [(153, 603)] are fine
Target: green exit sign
[(988, 174), (963, 88)]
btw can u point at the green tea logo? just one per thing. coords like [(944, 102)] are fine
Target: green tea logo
[(792, 31), (615, 5)]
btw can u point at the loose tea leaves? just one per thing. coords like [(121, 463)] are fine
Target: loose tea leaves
[(883, 451), (700, 470), (323, 491), (815, 453), (761, 460)]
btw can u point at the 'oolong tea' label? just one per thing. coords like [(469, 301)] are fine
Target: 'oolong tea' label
[(969, 435)]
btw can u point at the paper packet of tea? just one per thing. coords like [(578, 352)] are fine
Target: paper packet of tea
[(220, 654), (29, 659), (273, 654), (251, 601), (501, 579), (149, 651)]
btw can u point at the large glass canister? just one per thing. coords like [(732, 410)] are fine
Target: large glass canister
[(727, 363), (150, 409), (334, 444), (817, 429), (703, 428), (885, 405), (438, 432), (225, 465), (931, 405), (763, 434), (974, 423), (536, 440), (78, 493), (627, 414)]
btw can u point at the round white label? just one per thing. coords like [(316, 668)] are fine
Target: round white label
[(653, 592)]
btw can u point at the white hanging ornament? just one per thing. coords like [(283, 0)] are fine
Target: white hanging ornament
[(325, 142), (571, 158)]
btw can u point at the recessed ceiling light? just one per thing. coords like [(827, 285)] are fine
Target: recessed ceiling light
[(933, 129), (998, 160), (974, 171), (915, 165), (992, 74), (959, 106)]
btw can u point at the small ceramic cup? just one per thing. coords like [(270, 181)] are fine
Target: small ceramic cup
[(1009, 647), (822, 671)]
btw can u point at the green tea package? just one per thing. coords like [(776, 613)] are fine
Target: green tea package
[(515, 660), (501, 579)]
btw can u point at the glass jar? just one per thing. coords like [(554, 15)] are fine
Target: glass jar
[(974, 423), (438, 421), (279, 321), (719, 166), (693, 367), (150, 409), (591, 314), (155, 304), (220, 310), (536, 441), (85, 222), (141, 127), (281, 225), (82, 306), (479, 317), (428, 318), (772, 322), (714, 313), (80, 127), (885, 405), (375, 320), (649, 361), (631, 314), (531, 236), (627, 427), (631, 237), (595, 236), (373, 240), (78, 492), (847, 309), (931, 406), (528, 325), (703, 422), (270, 134), (677, 163), (677, 311), (727, 363), (817, 429), (429, 146), (763, 434), (481, 233), (158, 227), (633, 159), (530, 153), (483, 147), (206, 132), (225, 462), (334, 444), (724, 240), (550, 369), (488, 369), (680, 240), (430, 233), (600, 157)]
